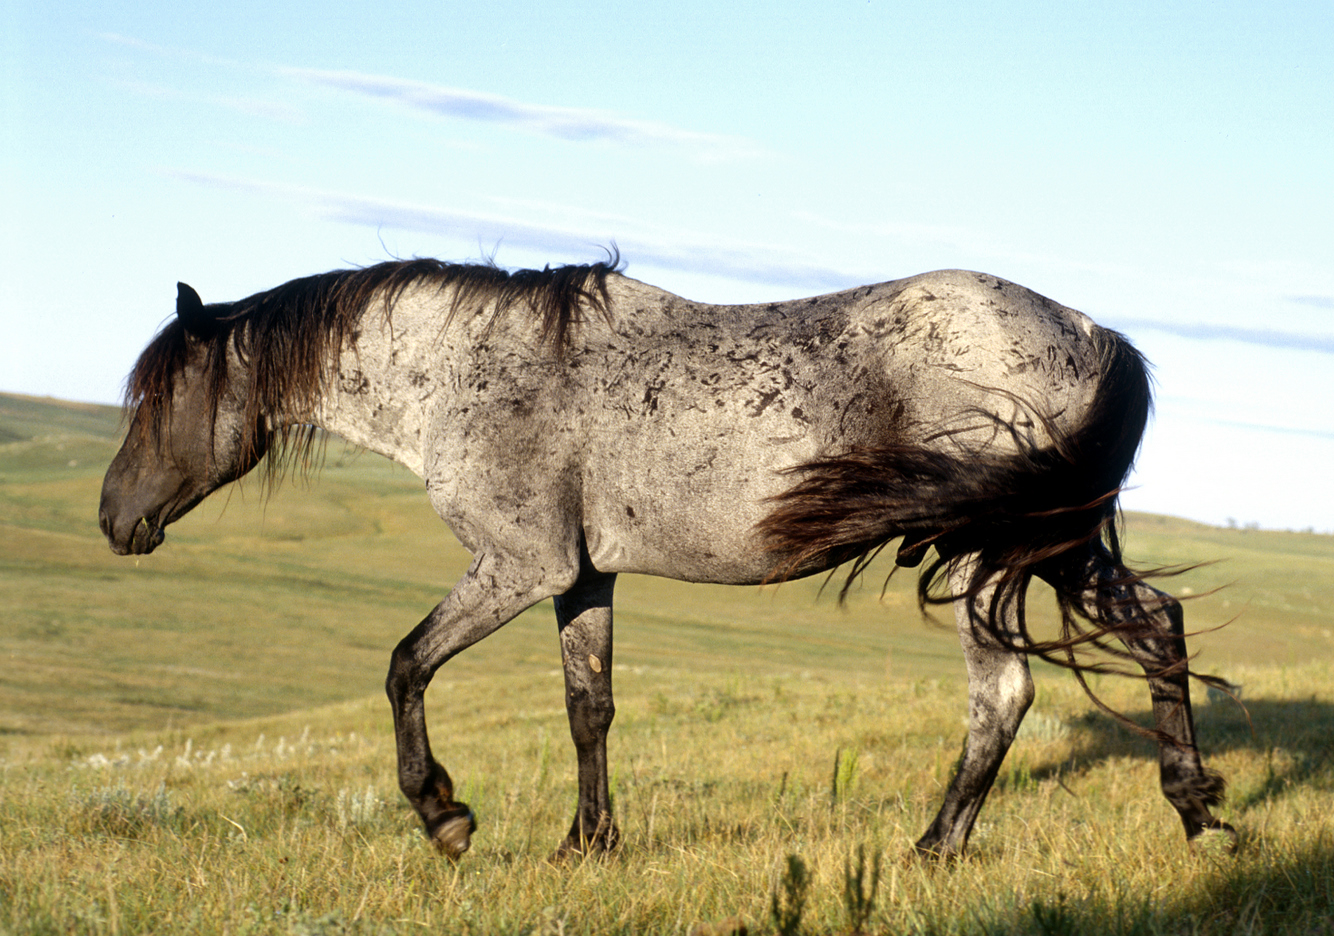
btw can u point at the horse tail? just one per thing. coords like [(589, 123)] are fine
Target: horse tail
[(1041, 509)]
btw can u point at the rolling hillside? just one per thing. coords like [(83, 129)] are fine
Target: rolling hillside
[(197, 740), (260, 605)]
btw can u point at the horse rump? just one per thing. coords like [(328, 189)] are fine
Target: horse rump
[(1047, 510)]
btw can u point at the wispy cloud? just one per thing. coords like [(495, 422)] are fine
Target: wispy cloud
[(172, 52), (251, 104), (1301, 341), (957, 240), (685, 252), (566, 123), (254, 106), (575, 124), (1318, 302), (133, 43)]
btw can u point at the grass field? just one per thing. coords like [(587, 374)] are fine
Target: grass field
[(197, 740)]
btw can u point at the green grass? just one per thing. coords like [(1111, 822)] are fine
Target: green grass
[(197, 740), (255, 607)]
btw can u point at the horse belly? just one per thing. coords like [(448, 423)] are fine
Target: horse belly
[(687, 511)]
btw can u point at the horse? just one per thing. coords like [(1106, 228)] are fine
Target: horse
[(573, 423)]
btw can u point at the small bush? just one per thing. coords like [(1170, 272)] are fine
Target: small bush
[(121, 813)]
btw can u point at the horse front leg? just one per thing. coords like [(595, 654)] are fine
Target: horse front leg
[(1000, 690), (492, 593), (583, 615)]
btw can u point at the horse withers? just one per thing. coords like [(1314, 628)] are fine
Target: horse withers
[(571, 424)]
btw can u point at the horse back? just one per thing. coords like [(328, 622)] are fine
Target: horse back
[(664, 431)]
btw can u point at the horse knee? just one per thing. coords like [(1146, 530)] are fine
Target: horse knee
[(404, 676)]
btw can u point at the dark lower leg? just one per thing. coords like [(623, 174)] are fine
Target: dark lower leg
[(1187, 784), (471, 612), (449, 824), (584, 617)]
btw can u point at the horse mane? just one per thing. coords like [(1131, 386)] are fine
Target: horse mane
[(288, 338)]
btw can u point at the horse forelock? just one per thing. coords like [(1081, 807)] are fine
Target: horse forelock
[(287, 340), (149, 389)]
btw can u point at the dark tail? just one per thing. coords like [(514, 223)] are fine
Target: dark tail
[(1039, 511)]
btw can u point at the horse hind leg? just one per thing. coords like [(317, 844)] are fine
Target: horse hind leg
[(1000, 690), (1152, 628), (583, 615)]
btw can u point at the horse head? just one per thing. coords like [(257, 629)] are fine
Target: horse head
[(190, 433)]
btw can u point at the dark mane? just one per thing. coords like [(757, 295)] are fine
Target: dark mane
[(288, 338)]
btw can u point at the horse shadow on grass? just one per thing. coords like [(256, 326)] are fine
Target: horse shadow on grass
[(1287, 893), (1293, 735)]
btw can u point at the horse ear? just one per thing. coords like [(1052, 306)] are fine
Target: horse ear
[(190, 310)]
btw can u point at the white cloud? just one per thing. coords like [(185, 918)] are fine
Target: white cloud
[(576, 124), (1299, 341), (683, 251), (1315, 302)]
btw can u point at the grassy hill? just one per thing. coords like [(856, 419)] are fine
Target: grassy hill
[(256, 606), (197, 740)]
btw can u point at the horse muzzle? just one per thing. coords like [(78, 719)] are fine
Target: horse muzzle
[(143, 537)]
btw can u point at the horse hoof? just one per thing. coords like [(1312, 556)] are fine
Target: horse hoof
[(1220, 839), (454, 837)]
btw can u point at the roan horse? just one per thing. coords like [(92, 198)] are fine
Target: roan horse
[(573, 423)]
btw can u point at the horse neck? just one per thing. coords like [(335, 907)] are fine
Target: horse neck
[(379, 393), (390, 378)]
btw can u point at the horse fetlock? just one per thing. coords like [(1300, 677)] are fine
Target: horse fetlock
[(942, 851), (1212, 788), (1197, 791), (606, 837)]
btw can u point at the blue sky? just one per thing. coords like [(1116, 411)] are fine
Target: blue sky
[(1165, 167)]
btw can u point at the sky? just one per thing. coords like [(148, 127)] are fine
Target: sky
[(1166, 167)]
